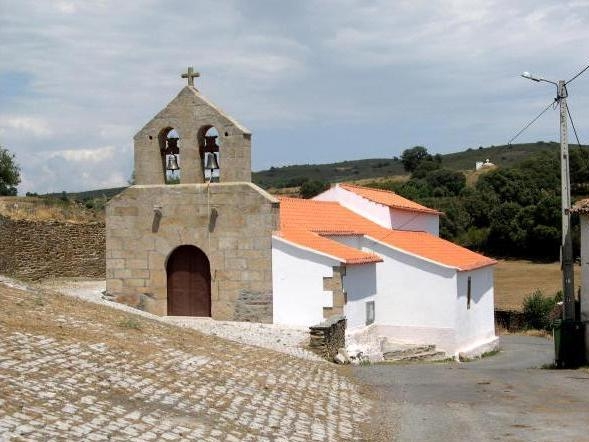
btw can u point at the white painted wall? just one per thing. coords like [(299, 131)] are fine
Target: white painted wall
[(362, 206), (475, 326), (380, 214), (414, 299), (360, 287), (412, 291), (406, 220), (297, 280)]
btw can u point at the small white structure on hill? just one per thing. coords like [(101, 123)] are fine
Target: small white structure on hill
[(376, 258), (480, 165)]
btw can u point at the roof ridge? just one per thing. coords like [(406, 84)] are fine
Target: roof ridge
[(376, 189), (305, 200)]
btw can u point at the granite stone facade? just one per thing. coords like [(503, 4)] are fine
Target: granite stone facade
[(231, 220)]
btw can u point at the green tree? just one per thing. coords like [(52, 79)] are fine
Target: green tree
[(9, 173), (452, 181), (313, 187), (411, 158), (424, 168)]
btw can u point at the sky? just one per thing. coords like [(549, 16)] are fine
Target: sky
[(316, 81)]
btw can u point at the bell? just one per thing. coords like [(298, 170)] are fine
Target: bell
[(172, 163), (211, 161)]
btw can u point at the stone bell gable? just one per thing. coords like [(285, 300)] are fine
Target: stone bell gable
[(190, 240), (191, 115)]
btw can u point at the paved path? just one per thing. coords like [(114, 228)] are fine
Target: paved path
[(72, 370), (282, 338), (504, 397)]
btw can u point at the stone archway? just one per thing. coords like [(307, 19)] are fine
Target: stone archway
[(189, 282)]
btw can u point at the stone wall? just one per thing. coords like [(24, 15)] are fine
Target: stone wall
[(253, 307), (328, 337), (48, 249), (232, 223)]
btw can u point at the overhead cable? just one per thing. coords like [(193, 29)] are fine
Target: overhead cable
[(573, 125), (583, 70), (531, 122)]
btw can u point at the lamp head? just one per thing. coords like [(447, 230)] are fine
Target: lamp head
[(530, 76)]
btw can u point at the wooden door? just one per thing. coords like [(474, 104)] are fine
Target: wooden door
[(189, 282)]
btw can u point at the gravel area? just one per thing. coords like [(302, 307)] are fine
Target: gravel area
[(285, 339)]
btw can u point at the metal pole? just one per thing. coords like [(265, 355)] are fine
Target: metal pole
[(566, 255)]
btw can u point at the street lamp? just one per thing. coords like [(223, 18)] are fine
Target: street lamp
[(566, 251)]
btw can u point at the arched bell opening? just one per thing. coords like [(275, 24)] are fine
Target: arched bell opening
[(169, 141), (209, 147)]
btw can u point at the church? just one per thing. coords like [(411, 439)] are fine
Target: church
[(195, 237)]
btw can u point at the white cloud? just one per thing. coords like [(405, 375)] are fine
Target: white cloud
[(443, 73), (96, 155), (24, 125), (67, 7)]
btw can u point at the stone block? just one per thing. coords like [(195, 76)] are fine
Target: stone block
[(237, 264), (137, 264), (115, 264), (135, 282), (114, 286), (156, 260), (126, 211), (228, 243), (121, 273), (158, 278)]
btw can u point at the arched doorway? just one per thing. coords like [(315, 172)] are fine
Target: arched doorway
[(189, 282)]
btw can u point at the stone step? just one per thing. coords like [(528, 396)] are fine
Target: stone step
[(392, 351), (425, 356)]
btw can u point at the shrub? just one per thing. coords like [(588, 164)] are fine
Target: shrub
[(537, 309)]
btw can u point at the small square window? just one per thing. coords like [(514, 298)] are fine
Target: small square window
[(369, 312)]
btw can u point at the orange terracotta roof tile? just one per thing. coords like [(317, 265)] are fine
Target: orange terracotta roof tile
[(325, 246), (308, 222), (388, 198)]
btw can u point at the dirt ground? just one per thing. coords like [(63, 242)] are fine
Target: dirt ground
[(515, 279)]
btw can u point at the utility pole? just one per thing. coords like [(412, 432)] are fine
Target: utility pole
[(566, 253), (569, 334), (566, 247)]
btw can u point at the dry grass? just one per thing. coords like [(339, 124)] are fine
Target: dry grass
[(44, 209), (472, 176), (515, 279), (393, 178)]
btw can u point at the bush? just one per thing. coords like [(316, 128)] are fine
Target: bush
[(537, 309), (309, 189)]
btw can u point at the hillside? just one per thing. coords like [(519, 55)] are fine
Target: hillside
[(291, 176), (357, 170)]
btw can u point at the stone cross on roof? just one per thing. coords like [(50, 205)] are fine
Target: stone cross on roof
[(190, 75)]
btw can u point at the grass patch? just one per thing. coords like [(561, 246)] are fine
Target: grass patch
[(486, 354), (490, 353), (130, 322)]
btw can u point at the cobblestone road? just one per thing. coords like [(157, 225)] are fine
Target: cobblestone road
[(78, 371)]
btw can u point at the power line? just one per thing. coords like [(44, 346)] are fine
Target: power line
[(583, 70), (531, 122), (583, 153), (573, 125)]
